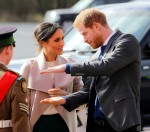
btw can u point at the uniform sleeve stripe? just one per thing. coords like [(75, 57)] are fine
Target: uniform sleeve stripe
[(23, 106), (26, 110)]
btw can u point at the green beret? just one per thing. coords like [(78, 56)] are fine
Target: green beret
[(6, 35)]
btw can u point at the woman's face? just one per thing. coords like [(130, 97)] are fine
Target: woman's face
[(54, 45)]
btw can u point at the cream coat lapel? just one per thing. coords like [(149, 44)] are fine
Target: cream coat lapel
[(61, 80)]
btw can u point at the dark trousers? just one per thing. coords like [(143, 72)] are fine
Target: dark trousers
[(103, 126), (50, 123)]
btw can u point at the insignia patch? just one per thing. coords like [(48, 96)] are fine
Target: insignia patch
[(24, 87)]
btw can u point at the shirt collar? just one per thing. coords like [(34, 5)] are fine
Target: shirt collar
[(106, 41)]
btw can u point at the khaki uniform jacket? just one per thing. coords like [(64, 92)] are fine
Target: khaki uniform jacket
[(14, 105), (39, 84)]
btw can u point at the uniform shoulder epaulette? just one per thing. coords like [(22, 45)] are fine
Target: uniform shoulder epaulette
[(20, 78)]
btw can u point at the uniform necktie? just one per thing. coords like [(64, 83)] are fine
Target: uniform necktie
[(98, 114)]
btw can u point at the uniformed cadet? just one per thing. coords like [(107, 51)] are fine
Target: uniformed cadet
[(14, 113)]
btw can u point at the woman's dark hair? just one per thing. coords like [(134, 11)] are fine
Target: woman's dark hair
[(45, 30)]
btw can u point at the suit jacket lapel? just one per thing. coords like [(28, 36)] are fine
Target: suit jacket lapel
[(111, 42)]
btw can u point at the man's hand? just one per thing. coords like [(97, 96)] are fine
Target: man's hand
[(55, 69), (54, 100)]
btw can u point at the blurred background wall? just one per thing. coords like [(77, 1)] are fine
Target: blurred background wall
[(29, 10)]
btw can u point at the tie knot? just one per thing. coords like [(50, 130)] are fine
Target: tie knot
[(102, 52)]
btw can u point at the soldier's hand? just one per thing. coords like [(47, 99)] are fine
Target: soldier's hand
[(54, 100), (57, 92)]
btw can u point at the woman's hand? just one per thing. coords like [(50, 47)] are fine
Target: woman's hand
[(55, 92)]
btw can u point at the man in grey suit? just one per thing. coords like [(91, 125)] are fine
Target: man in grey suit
[(112, 89)]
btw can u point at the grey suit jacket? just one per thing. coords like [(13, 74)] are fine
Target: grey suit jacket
[(116, 80)]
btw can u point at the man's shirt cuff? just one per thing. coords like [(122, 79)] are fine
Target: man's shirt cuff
[(67, 70), (67, 101)]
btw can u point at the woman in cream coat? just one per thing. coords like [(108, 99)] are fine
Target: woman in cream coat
[(49, 118)]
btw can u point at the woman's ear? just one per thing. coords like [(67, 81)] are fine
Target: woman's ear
[(42, 43)]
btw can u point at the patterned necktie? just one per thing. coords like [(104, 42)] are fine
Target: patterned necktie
[(98, 114)]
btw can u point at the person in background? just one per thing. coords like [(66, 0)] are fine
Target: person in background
[(44, 118), (112, 89), (14, 112)]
